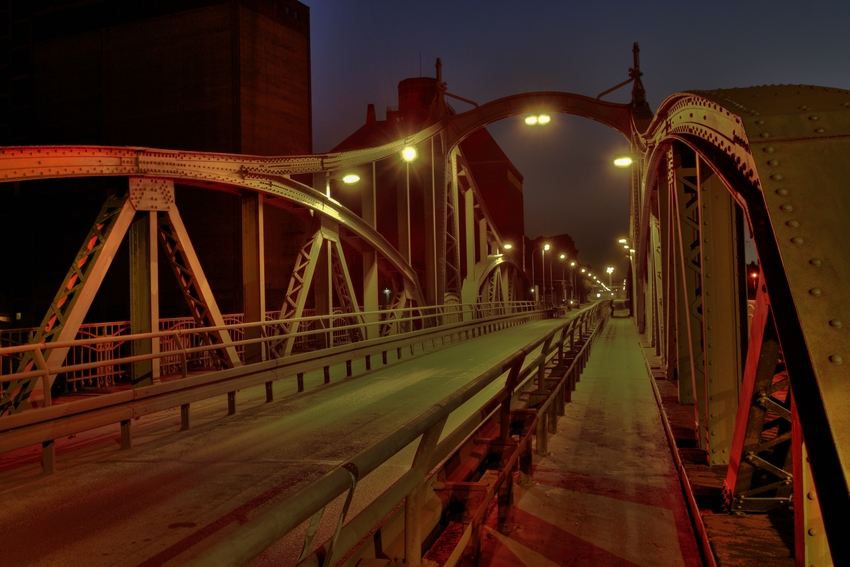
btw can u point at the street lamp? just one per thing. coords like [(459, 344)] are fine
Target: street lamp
[(538, 119), (623, 161), (610, 270)]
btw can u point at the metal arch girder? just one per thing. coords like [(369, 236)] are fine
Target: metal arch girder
[(782, 152), (210, 170), (617, 116)]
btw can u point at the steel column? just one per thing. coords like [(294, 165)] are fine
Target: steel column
[(253, 274), (720, 318), (370, 259), (144, 296)]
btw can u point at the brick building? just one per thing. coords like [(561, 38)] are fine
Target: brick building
[(498, 179)]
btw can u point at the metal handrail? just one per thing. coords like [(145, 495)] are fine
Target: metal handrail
[(253, 537), (51, 422), (327, 324)]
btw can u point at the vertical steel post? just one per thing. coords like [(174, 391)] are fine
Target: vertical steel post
[(690, 251), (721, 313), (811, 546), (413, 502), (144, 296), (370, 259), (253, 274)]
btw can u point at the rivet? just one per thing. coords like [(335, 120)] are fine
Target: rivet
[(835, 322), (797, 240), (786, 207), (815, 261), (804, 107), (813, 531), (782, 191), (759, 122), (765, 135), (773, 162), (776, 176), (836, 359), (811, 495), (769, 149), (815, 291), (793, 223), (813, 117), (819, 130)]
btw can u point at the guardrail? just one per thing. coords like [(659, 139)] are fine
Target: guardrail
[(573, 338), (45, 424), (101, 352)]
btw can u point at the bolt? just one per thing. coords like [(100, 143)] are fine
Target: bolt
[(819, 130), (813, 117), (782, 191), (769, 149), (759, 122), (793, 223), (786, 207), (765, 135), (835, 322), (797, 240), (836, 359), (773, 162), (815, 261), (815, 291), (811, 495), (813, 531), (776, 177)]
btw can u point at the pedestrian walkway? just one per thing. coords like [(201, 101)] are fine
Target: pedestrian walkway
[(608, 493)]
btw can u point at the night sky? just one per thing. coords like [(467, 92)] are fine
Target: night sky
[(495, 48)]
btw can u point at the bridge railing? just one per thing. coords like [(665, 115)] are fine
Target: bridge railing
[(567, 344), (100, 356), (55, 421)]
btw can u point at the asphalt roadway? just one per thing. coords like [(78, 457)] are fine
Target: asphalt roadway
[(176, 493)]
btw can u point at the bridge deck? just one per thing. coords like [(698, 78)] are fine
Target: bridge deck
[(608, 492), (166, 501)]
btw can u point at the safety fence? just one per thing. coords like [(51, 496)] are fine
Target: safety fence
[(101, 355), (525, 408)]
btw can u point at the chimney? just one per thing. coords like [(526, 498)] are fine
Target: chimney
[(370, 114)]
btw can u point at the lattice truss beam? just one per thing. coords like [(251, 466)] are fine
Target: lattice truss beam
[(323, 246), (779, 153), (476, 266), (77, 292)]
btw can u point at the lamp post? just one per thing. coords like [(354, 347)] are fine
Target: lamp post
[(573, 274), (543, 267), (563, 277), (408, 154), (610, 270)]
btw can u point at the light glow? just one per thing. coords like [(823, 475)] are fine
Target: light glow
[(508, 246), (546, 247), (409, 154), (622, 241), (623, 161), (544, 119), (350, 178), (531, 120)]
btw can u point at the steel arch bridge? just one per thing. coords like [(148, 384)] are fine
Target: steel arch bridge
[(769, 391)]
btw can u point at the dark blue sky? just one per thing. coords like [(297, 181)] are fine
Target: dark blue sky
[(494, 48)]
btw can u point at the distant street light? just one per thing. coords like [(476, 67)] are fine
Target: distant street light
[(408, 154), (610, 270), (350, 178), (508, 246), (623, 161)]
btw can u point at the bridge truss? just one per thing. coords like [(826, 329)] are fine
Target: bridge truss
[(712, 167)]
